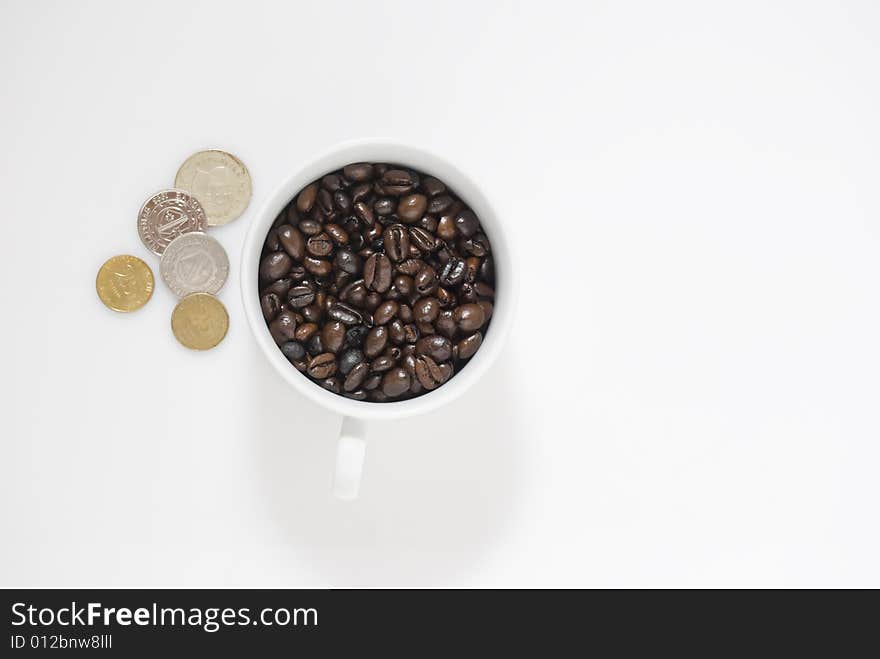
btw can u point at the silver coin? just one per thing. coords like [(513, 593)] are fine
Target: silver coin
[(220, 182), (194, 263), (168, 214)]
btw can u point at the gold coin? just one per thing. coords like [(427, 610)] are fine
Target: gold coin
[(199, 321), (220, 182), (124, 283)]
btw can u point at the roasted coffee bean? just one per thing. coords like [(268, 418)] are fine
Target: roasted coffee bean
[(345, 314), (384, 267), (332, 182), (333, 336), (315, 346), (318, 267), (361, 171), (384, 206), (322, 366), (426, 310), (275, 265), (404, 285), (435, 346), (342, 201), (397, 182), (305, 332), (395, 382), (310, 227), (376, 340), (319, 245), (270, 305), (426, 281), (467, 223), (337, 233), (293, 350), (453, 272), (395, 239), (469, 317), (469, 345), (356, 376), (432, 186), (446, 324), (440, 203), (306, 199), (377, 273), (412, 207), (410, 267), (283, 327), (427, 372), (385, 312), (300, 296)]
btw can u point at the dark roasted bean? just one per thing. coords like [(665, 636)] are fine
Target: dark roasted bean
[(404, 285), (275, 265), (347, 261), (421, 239), (332, 384), (477, 246), (322, 366), (395, 331), (395, 239), (355, 336), (397, 181), (446, 227), (395, 382), (312, 313), (283, 327), (293, 350), (337, 233), (361, 171), (377, 273), (385, 312), (412, 207), (342, 201), (426, 280), (428, 223), (467, 223), (272, 244), (292, 215), (471, 268), (426, 310), (310, 227), (315, 346), (381, 364), (487, 308), (432, 186), (318, 267), (435, 346), (447, 370), (355, 293), (384, 206), (325, 202), (349, 359), (372, 381), (427, 372), (376, 340), (300, 296), (445, 297), (359, 394), (345, 314), (332, 182), (319, 245), (446, 324), (360, 191), (305, 331), (484, 290), (410, 267), (440, 203), (469, 345), (333, 336), (270, 305), (469, 317), (279, 287), (405, 313), (356, 376), (453, 272), (410, 333), (306, 199)]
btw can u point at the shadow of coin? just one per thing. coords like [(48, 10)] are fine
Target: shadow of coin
[(439, 491)]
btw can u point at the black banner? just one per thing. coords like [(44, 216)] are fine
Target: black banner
[(413, 622)]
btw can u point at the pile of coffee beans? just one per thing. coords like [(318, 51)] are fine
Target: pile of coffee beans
[(377, 282)]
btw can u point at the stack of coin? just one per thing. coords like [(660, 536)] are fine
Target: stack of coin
[(211, 188)]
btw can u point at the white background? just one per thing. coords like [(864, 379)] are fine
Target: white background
[(689, 396)]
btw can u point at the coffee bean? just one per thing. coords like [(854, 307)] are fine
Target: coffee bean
[(356, 376), (312, 313), (292, 241), (384, 206), (306, 199), (487, 308), (426, 281), (421, 239), (395, 331), (333, 336), (412, 207), (376, 340), (435, 346), (432, 186), (372, 381), (469, 317), (319, 245), (275, 265), (359, 394), (477, 246), (395, 239), (337, 233), (310, 227), (484, 290), (395, 382), (291, 215), (446, 324), (469, 345), (283, 327), (322, 366), (382, 364), (272, 244), (405, 313), (447, 370), (347, 261), (325, 202), (293, 350), (453, 272), (361, 171), (471, 268), (439, 204), (426, 310), (300, 296), (332, 384), (270, 305), (355, 336), (404, 284), (446, 227), (428, 223), (314, 345), (385, 312), (445, 297), (397, 182), (467, 223), (466, 293), (360, 192), (345, 314), (410, 267), (305, 332), (318, 267), (427, 372), (377, 273), (349, 359), (410, 333), (342, 201)]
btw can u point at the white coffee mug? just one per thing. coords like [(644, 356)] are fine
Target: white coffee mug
[(351, 446)]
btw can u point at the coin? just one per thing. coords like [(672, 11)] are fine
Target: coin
[(220, 181), (124, 283), (199, 321), (168, 214), (194, 263)]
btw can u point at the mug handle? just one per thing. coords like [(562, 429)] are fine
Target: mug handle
[(350, 452)]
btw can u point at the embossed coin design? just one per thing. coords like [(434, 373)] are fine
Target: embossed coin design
[(220, 182), (199, 321), (194, 263), (168, 214), (124, 283)]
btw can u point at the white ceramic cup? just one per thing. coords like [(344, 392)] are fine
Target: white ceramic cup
[(353, 413)]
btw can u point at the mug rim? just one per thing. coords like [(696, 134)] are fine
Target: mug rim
[(427, 162)]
